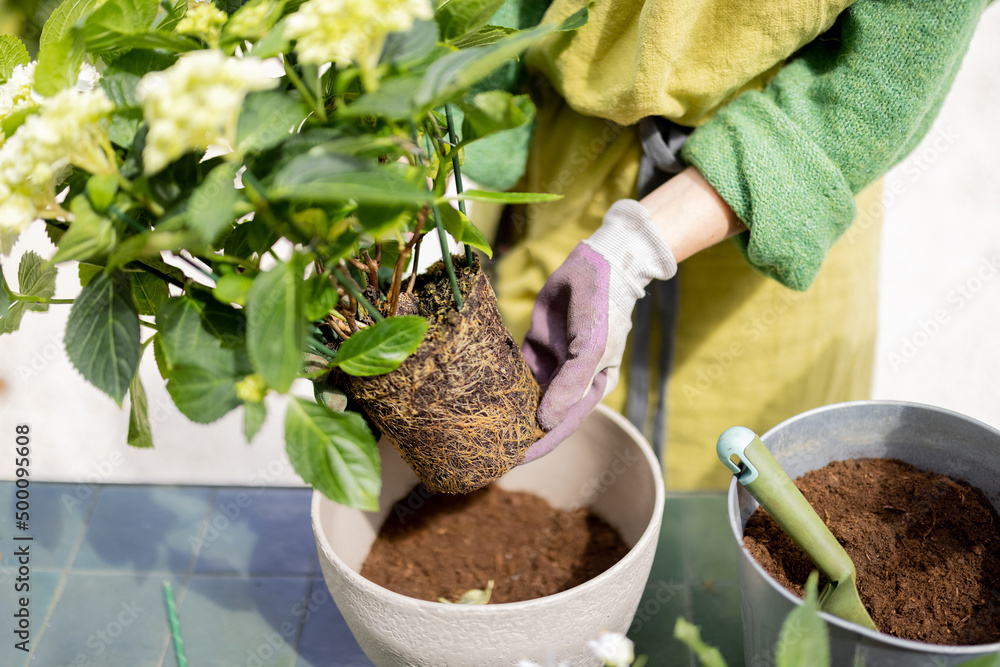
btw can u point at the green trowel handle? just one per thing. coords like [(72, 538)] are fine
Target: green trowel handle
[(768, 483)]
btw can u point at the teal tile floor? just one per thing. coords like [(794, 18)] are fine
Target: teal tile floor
[(247, 584)]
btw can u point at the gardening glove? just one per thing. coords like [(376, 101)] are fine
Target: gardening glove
[(583, 315)]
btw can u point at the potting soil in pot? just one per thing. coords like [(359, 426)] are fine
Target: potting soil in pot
[(440, 546), (926, 548)]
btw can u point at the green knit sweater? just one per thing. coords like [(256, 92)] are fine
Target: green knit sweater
[(790, 159)]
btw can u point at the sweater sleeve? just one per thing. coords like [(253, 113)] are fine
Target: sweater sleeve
[(790, 158)]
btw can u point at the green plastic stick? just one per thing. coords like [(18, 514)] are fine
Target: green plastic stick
[(175, 629)]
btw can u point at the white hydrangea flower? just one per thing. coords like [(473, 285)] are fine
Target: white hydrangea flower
[(16, 93), (615, 649), (204, 20), (69, 129), (346, 31), (195, 103), (250, 22), (88, 78)]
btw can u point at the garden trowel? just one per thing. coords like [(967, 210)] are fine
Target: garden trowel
[(742, 451)]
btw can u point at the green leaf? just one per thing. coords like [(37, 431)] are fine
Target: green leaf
[(276, 324), (103, 29), (35, 278), (148, 246), (803, 639), (708, 656), (61, 46), (160, 357), (101, 190), (493, 111), (4, 297), (209, 210), (328, 178), (333, 452), (267, 119), (9, 124), (272, 43), (207, 391), (148, 291), (12, 54), (88, 272), (458, 18), (102, 334), (412, 46), (254, 415), (251, 236), (192, 330), (488, 34), (140, 434), (382, 347), (462, 230), (159, 40), (384, 220), (321, 297), (172, 16), (233, 288), (90, 235), (455, 73), (392, 101), (475, 596), (503, 197), (122, 75)]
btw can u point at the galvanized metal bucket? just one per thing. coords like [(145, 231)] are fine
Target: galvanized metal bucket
[(927, 437)]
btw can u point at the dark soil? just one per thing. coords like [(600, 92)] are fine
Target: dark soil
[(462, 410), (440, 546), (925, 547)]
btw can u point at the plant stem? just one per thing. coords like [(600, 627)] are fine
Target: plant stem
[(348, 284), (28, 298), (439, 224), (148, 324), (320, 349), (306, 94), (446, 256), (153, 207), (458, 174), (127, 219)]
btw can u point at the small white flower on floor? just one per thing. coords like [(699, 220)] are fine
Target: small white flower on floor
[(614, 648)]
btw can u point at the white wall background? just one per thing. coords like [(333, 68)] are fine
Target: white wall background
[(938, 343)]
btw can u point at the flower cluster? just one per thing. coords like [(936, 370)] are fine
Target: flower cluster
[(203, 20), (196, 103), (250, 22), (346, 31), (16, 93), (69, 129)]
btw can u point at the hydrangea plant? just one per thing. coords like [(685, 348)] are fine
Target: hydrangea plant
[(281, 148)]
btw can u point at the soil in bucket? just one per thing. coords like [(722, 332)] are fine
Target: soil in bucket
[(926, 548), (452, 544), (462, 410)]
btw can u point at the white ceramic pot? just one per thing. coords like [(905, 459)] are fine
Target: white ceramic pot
[(606, 465)]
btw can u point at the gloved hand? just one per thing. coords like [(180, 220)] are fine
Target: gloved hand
[(583, 314)]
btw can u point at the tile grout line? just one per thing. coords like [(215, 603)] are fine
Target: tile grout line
[(64, 575), (302, 623), (688, 595)]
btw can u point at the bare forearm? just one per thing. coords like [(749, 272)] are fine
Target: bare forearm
[(690, 214)]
